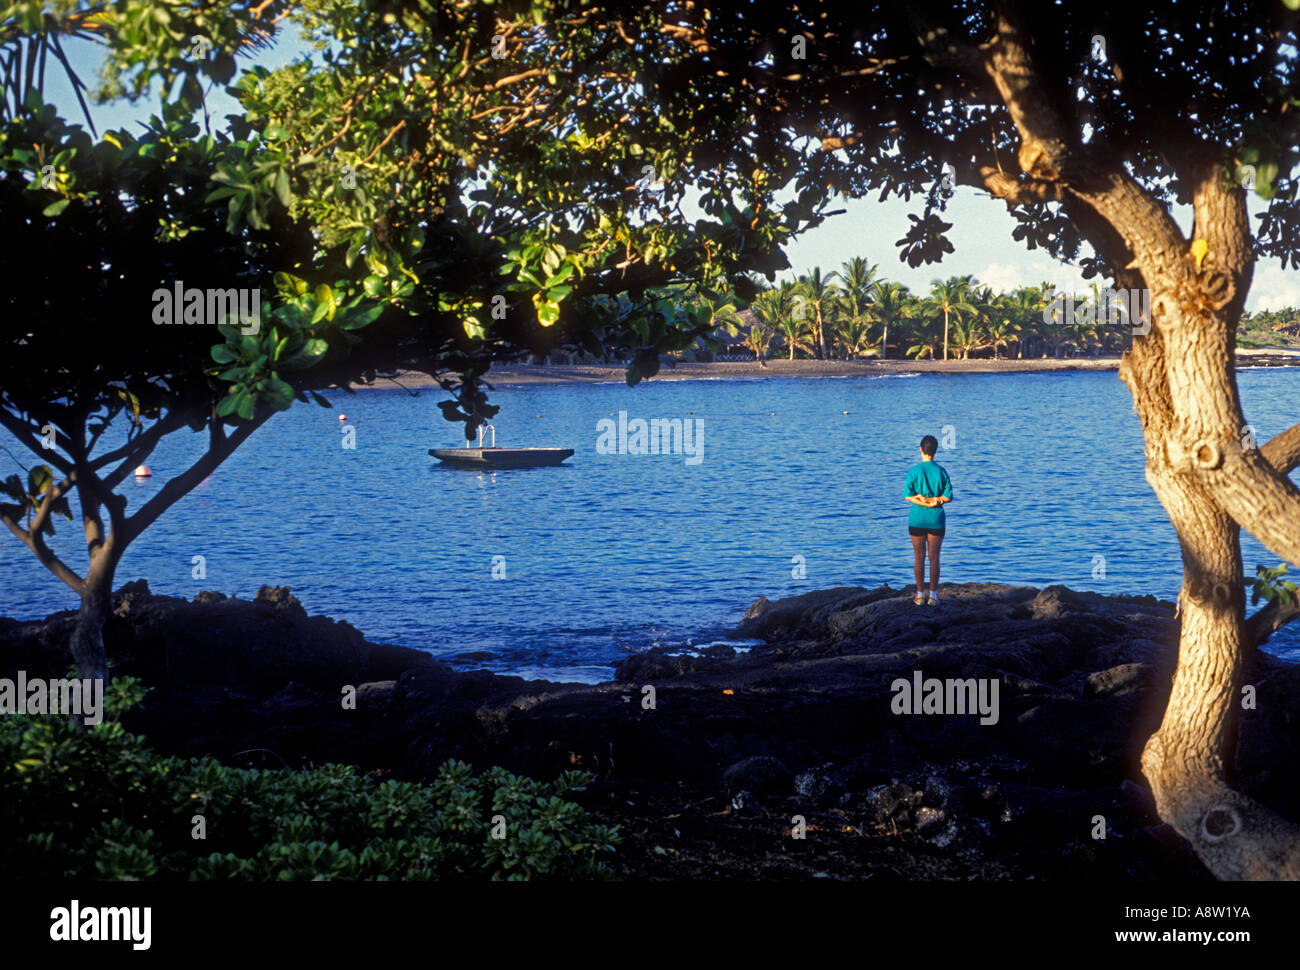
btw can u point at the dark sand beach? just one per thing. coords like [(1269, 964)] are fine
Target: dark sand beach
[(506, 375)]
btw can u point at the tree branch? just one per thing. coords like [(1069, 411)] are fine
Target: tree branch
[(1282, 451), (220, 447), (1269, 620), (134, 452), (36, 543), (25, 435)]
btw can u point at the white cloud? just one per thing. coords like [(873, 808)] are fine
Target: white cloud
[(1004, 277), (1001, 276), (1273, 288)]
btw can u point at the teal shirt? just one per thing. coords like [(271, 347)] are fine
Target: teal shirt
[(927, 478)]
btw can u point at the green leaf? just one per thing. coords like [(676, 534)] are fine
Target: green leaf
[(223, 354), (360, 318), (282, 188), (39, 478), (562, 274), (314, 348), (54, 208), (552, 257), (278, 394), (326, 305), (289, 284), (548, 313)]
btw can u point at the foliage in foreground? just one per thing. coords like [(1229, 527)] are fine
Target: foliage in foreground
[(1269, 586), (102, 805)]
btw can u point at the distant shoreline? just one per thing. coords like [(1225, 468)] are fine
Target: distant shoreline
[(507, 375)]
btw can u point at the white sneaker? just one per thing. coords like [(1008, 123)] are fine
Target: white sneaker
[(933, 600)]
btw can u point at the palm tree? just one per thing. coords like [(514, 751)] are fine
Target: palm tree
[(722, 311), (856, 278), (1003, 323), (854, 336), (759, 340), (1088, 331), (820, 292), (795, 332), (24, 53), (965, 334), (775, 309), (1025, 306), (921, 315), (889, 303), (951, 297), (975, 327)]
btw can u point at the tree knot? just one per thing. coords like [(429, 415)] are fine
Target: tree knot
[(1207, 455), (1220, 823), (1217, 287)]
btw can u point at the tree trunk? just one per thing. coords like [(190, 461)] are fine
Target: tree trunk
[(88, 635), (884, 342), (945, 334), (1187, 761)]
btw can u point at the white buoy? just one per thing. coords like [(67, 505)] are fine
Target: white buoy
[(342, 418), (144, 471)]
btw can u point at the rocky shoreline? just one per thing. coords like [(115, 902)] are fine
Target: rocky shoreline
[(712, 764)]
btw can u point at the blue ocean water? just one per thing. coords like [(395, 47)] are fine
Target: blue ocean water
[(798, 487)]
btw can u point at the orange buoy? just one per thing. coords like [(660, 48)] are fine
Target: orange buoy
[(144, 471), (343, 417)]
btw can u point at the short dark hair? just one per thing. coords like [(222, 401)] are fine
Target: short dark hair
[(929, 445)]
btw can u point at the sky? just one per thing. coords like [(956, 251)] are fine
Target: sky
[(981, 233)]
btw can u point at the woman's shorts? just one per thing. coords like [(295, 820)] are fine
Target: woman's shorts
[(915, 531)]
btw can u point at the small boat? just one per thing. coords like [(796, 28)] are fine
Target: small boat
[(494, 457)]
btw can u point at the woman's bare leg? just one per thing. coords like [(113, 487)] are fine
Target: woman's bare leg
[(935, 542), (918, 562)]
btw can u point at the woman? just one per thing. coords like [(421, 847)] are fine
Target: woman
[(929, 489)]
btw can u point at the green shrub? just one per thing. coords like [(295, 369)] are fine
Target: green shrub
[(102, 805)]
